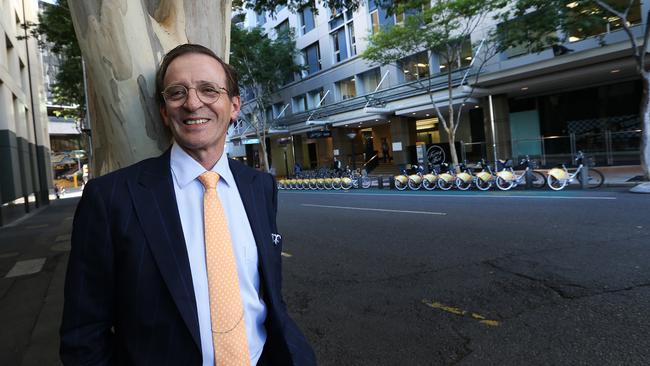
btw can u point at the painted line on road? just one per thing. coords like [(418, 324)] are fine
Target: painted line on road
[(65, 237), (22, 268), (32, 227), (285, 254), (456, 311), (435, 195), (376, 209)]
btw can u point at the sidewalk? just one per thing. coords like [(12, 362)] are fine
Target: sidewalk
[(33, 258)]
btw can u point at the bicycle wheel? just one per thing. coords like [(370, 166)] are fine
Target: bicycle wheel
[(345, 185), (444, 185), (428, 185), (595, 178), (399, 185), (556, 184), (483, 185), (462, 185), (539, 179), (503, 184), (365, 182), (414, 186)]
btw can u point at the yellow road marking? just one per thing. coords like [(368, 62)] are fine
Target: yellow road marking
[(286, 255), (460, 312)]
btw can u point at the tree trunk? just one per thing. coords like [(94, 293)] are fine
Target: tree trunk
[(122, 44), (644, 115)]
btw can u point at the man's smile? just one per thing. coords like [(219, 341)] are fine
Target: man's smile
[(195, 121)]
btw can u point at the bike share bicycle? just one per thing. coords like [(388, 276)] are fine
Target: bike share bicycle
[(559, 177)]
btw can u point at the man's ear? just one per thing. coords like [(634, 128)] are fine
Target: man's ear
[(235, 103), (164, 116)]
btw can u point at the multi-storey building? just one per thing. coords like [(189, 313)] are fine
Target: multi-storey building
[(576, 96), (24, 144)]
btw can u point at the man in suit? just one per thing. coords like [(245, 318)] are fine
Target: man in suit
[(139, 288)]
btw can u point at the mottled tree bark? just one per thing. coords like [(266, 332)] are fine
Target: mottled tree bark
[(122, 43)]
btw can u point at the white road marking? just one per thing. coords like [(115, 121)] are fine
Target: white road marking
[(65, 237), (36, 226), (286, 255), (26, 267), (437, 195), (376, 209)]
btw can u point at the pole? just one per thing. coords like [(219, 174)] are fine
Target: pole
[(494, 133), (89, 153), (37, 190)]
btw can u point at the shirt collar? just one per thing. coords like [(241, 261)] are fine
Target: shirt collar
[(185, 169)]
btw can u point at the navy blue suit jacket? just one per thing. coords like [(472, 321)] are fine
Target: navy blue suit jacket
[(129, 298)]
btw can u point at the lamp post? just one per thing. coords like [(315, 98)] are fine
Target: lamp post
[(351, 136)]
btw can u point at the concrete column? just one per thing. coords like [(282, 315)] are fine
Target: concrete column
[(402, 129), (502, 126)]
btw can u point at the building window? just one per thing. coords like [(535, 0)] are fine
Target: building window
[(608, 22), (314, 97), (282, 29), (507, 30), (307, 21), (346, 88), (415, 66), (299, 103), (369, 80), (342, 35), (340, 46), (462, 57), (261, 18), (277, 109), (379, 18), (311, 54)]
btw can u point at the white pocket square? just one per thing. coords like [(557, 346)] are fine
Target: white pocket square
[(276, 238)]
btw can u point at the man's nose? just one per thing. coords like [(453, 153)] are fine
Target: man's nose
[(192, 102)]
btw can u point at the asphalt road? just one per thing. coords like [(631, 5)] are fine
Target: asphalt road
[(480, 278)]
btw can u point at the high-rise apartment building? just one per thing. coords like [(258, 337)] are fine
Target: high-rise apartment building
[(579, 95), (24, 143)]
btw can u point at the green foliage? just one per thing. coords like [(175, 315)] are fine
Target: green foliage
[(55, 23), (442, 28), (273, 5), (262, 63), (537, 24)]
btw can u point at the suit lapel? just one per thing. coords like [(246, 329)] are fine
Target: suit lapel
[(155, 205), (252, 196)]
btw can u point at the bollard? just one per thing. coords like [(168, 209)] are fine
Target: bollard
[(391, 182), (380, 182), (529, 179), (584, 176)]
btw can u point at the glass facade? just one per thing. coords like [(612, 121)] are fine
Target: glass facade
[(311, 54), (346, 88), (416, 66)]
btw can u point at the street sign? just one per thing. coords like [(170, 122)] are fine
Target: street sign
[(319, 134)]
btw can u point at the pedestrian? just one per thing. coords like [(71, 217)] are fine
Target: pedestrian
[(297, 169), (384, 150), (176, 260), (57, 192), (336, 165)]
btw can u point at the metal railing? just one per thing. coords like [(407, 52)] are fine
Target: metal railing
[(606, 148)]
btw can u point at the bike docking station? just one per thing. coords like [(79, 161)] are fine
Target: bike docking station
[(503, 175)]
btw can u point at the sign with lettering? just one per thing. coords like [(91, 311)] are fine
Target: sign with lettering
[(319, 134)]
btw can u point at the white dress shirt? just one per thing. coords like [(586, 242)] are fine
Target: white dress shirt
[(189, 197)]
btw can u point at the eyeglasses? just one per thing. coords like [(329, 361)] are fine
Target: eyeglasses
[(208, 93)]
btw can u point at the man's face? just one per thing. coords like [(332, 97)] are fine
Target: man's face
[(198, 127)]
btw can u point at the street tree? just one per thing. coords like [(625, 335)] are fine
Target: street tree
[(55, 30), (263, 64), (122, 43), (443, 28), (536, 24)]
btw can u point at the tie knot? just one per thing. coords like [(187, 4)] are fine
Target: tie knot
[(209, 180)]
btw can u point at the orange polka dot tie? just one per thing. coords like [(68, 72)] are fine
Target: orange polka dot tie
[(226, 309)]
